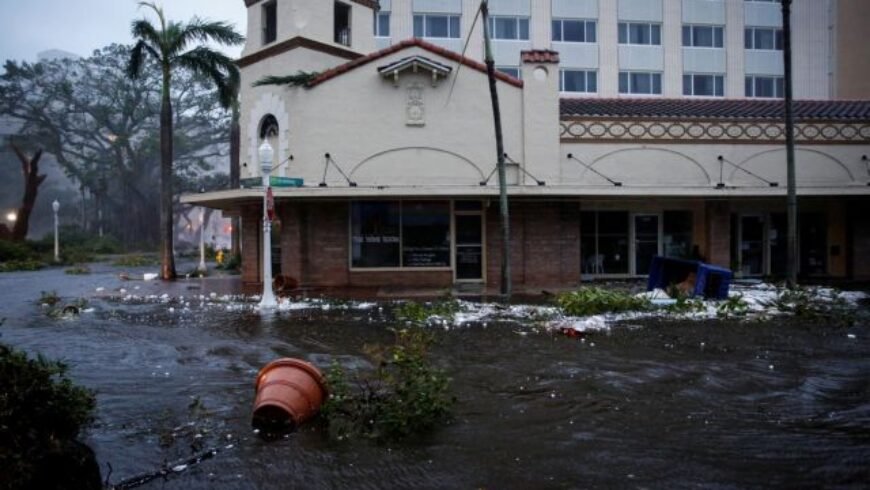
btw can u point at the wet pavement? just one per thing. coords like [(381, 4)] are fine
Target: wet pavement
[(648, 404)]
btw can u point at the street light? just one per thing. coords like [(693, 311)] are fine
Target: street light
[(11, 216), (266, 153), (55, 206), (201, 267)]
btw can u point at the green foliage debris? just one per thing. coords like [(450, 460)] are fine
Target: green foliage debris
[(595, 301)]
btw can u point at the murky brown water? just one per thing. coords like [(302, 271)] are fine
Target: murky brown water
[(648, 405)]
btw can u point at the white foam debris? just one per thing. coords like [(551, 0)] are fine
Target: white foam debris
[(149, 276), (179, 468), (851, 335)]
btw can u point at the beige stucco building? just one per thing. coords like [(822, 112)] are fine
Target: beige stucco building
[(632, 128)]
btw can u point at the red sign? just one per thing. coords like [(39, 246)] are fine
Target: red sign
[(270, 204)]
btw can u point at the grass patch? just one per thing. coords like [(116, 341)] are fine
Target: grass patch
[(405, 396), (21, 265), (596, 301), (135, 260), (78, 270)]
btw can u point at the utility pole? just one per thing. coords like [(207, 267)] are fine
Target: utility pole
[(791, 202), (499, 144)]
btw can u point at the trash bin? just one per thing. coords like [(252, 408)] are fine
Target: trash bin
[(693, 277)]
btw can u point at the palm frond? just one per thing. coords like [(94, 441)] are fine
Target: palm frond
[(144, 30), (216, 66), (201, 30), (157, 10), (137, 58), (300, 79)]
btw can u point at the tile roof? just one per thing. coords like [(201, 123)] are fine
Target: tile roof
[(415, 42), (715, 108), (540, 56)]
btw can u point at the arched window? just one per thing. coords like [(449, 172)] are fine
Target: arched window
[(269, 132)]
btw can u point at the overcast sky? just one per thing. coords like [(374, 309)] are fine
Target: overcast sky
[(81, 26)]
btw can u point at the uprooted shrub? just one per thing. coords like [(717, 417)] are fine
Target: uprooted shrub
[(41, 414), (595, 301), (405, 396)]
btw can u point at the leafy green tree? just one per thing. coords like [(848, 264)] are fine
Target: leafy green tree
[(101, 127), (167, 44)]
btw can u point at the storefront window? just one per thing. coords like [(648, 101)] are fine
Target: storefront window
[(604, 242), (375, 234), (400, 234), (425, 234), (678, 234)]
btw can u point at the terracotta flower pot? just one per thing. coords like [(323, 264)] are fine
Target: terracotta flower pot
[(289, 392)]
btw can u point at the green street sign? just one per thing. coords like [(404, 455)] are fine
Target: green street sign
[(273, 181)]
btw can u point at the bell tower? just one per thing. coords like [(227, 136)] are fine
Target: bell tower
[(344, 24)]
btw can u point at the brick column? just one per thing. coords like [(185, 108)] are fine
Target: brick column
[(291, 241), (718, 250), (252, 228)]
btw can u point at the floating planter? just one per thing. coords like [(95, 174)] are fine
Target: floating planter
[(289, 392)]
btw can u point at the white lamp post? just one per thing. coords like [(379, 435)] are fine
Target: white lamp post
[(55, 206), (201, 267), (266, 153)]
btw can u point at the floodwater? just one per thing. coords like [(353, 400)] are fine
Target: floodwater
[(649, 404)]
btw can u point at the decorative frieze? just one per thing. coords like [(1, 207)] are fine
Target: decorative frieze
[(711, 131)]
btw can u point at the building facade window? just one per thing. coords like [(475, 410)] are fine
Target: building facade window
[(436, 25), (513, 71), (270, 22), (768, 38), (759, 86), (574, 31), (704, 85), (697, 36), (509, 28), (342, 23), (400, 234), (641, 33), (640, 83), (581, 81), (382, 24)]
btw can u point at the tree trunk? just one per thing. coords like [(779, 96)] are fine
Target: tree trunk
[(32, 181), (167, 268), (235, 176)]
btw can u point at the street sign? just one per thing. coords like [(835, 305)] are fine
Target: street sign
[(273, 181)]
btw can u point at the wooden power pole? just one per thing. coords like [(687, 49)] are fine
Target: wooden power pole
[(499, 144), (791, 254)]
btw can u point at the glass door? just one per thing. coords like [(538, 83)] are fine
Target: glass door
[(468, 226), (646, 241), (752, 245)]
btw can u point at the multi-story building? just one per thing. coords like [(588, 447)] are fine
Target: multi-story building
[(632, 128)]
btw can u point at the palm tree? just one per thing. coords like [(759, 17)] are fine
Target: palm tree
[(167, 44)]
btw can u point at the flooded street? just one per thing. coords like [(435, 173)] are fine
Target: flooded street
[(648, 404)]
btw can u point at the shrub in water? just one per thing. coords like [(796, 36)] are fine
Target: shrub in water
[(595, 301), (405, 396), (418, 313), (41, 414)]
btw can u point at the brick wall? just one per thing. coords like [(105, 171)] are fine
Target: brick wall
[(314, 248), (718, 250), (251, 231), (545, 245)]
